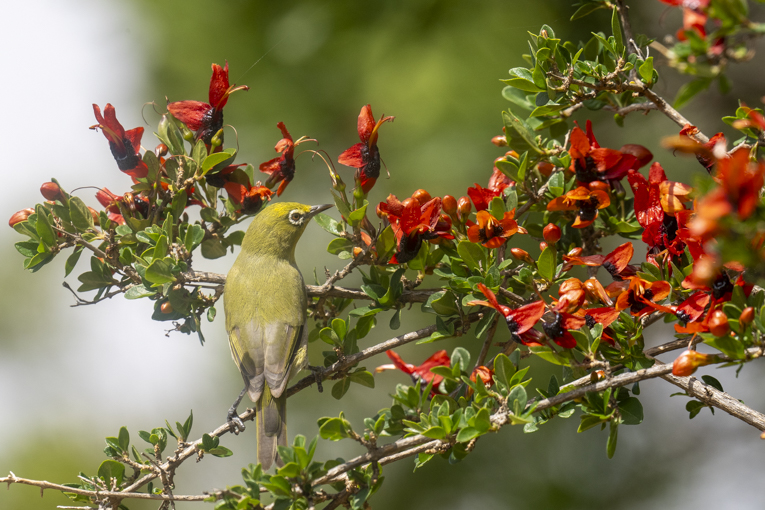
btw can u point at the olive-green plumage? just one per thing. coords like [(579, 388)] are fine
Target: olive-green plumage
[(265, 304)]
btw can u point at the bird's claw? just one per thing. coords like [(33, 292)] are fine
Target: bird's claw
[(235, 424), (317, 376)]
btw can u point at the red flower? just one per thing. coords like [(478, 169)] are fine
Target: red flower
[(413, 223), (616, 262), (118, 206), (519, 320), (585, 201), (482, 197), (206, 118), (125, 145), (422, 372), (248, 199), (660, 210), (365, 156), (282, 168), (642, 296), (591, 162), (491, 232)]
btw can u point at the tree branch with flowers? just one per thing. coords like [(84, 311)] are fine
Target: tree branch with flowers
[(703, 271)]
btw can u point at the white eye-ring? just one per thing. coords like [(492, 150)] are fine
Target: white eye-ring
[(296, 217)]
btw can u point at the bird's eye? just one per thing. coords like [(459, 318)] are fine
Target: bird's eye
[(296, 217)]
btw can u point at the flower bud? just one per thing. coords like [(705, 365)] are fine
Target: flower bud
[(689, 361), (597, 375), (421, 196), (449, 204), (52, 191), (575, 252), (20, 216), (95, 215), (551, 233), (521, 255), (747, 316), (642, 154), (542, 246), (499, 141), (464, 207), (160, 150), (718, 323), (599, 185), (357, 251), (410, 202), (166, 307), (545, 168)]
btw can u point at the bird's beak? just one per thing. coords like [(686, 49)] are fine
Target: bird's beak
[(317, 209)]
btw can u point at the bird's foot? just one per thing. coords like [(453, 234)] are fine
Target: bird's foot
[(235, 424), (317, 371)]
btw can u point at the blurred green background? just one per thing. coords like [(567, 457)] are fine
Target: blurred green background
[(71, 376)]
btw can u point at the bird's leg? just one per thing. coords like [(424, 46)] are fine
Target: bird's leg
[(232, 418), (317, 375)]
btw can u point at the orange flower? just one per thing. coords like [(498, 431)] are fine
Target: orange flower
[(491, 232), (591, 162), (642, 296), (519, 320), (585, 201), (615, 262)]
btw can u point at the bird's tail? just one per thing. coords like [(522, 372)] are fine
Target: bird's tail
[(271, 420)]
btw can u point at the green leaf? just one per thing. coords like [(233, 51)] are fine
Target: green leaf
[(72, 260), (124, 438), (340, 388), (519, 135), (689, 90), (334, 429), (616, 29), (159, 272), (44, 228), (646, 70), (546, 264), (613, 431), (504, 369), (522, 79), (473, 255), (329, 224), (80, 214), (139, 291), (588, 421), (632, 411), (363, 378), (712, 382), (728, 346), (356, 216), (216, 159), (111, 469), (586, 9), (339, 245), (213, 249)]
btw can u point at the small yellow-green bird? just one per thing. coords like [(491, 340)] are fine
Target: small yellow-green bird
[(265, 304)]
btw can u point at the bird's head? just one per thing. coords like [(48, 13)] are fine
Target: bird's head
[(278, 227)]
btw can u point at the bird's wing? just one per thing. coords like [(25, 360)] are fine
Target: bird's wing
[(266, 354)]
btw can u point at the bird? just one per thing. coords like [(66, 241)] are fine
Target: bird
[(265, 305)]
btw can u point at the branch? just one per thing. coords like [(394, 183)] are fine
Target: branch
[(713, 397), (408, 296), (11, 478)]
